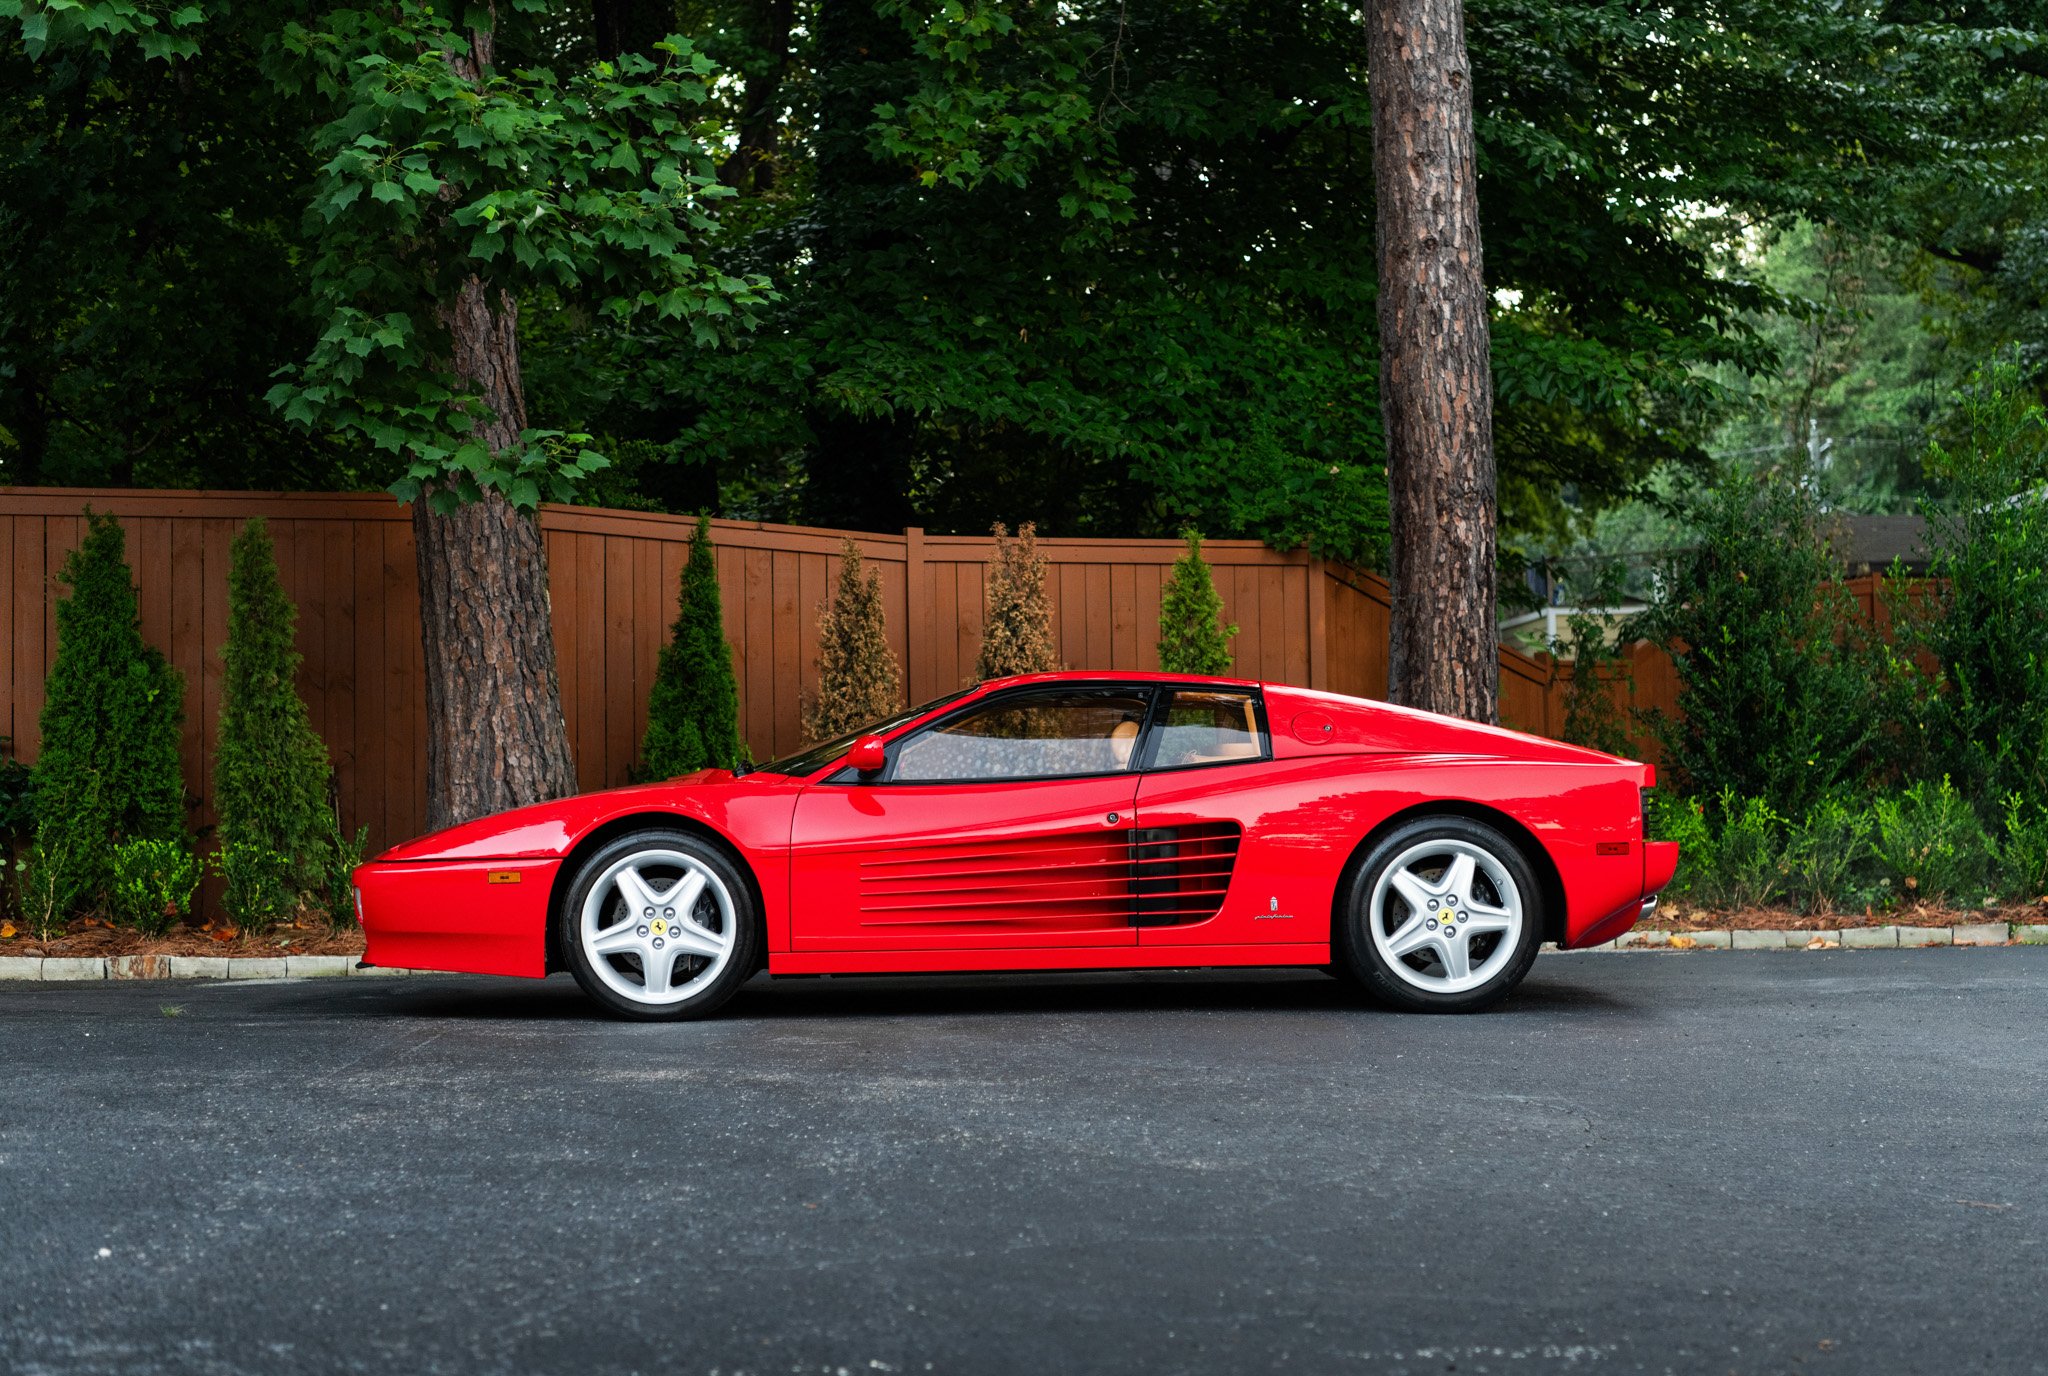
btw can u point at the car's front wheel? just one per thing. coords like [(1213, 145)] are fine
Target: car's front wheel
[(659, 924), (1443, 915)]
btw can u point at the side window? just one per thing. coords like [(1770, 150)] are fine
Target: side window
[(1205, 726), (1029, 736)]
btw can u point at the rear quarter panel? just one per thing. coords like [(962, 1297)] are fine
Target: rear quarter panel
[(1304, 818)]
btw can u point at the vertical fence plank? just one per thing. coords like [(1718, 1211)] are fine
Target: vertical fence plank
[(588, 722), (1098, 613), (337, 651), (618, 661), (791, 638), (648, 633), (405, 756), (372, 723), (7, 675)]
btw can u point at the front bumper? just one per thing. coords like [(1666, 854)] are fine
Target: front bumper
[(484, 917)]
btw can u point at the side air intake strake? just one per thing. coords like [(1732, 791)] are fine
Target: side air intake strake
[(1180, 874), (1048, 881), (1151, 877)]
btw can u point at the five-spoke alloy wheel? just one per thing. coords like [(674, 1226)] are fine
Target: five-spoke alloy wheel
[(659, 924), (1443, 915)]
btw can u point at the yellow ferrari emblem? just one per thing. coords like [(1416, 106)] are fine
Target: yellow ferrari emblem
[(660, 927)]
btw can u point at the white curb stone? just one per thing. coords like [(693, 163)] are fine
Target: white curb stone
[(1645, 940), (1926, 936), (1868, 938), (257, 967), (138, 967), (2034, 933), (317, 966), (375, 971), (21, 967), (199, 967), (1980, 934), (74, 967), (1747, 940), (1802, 938)]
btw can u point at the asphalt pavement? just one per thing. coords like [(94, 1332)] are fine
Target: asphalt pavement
[(1798, 1162)]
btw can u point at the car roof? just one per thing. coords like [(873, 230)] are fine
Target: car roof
[(1115, 676)]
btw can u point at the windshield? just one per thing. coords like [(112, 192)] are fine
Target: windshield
[(818, 756)]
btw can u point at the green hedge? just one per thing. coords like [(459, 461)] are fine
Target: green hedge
[(1923, 843)]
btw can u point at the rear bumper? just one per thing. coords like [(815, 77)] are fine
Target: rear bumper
[(1614, 924), (484, 917)]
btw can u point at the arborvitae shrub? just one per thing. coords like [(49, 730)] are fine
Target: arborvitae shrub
[(858, 678), (693, 714), (270, 772), (1192, 636), (108, 772), (1017, 636)]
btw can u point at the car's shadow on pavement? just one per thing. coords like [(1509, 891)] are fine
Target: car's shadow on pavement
[(896, 996)]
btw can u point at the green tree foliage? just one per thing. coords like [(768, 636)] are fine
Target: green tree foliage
[(1106, 266), (416, 174), (1986, 628), (1854, 361), (1117, 281), (693, 713), (150, 198), (1016, 632), (1775, 699), (270, 771), (1192, 636), (859, 680), (108, 770)]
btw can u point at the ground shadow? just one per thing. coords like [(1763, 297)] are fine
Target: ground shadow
[(558, 999)]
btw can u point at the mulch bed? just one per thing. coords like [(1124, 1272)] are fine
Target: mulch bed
[(90, 937), (1682, 917)]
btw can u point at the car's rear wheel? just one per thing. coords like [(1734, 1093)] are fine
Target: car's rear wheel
[(1443, 915), (659, 924)]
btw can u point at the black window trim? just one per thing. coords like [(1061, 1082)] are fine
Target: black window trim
[(1149, 742), (886, 776), (1156, 694)]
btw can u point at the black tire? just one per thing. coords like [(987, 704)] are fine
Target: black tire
[(1373, 967), (671, 854)]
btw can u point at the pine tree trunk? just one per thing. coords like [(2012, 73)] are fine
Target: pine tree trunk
[(1436, 384), (495, 734)]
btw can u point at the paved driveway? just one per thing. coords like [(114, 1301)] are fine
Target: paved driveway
[(1749, 1163)]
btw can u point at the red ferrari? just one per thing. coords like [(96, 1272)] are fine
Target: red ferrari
[(1062, 821)]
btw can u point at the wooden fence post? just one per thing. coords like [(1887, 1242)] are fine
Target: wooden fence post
[(917, 615), (1318, 624)]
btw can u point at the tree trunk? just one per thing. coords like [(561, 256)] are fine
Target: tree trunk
[(1436, 383), (495, 734)]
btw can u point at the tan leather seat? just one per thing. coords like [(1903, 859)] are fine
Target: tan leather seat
[(1122, 741)]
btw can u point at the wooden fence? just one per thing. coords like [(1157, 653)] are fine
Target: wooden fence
[(347, 561)]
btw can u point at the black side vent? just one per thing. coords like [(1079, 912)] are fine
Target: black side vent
[(1180, 874)]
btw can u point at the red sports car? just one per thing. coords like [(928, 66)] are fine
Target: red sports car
[(1062, 821)]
